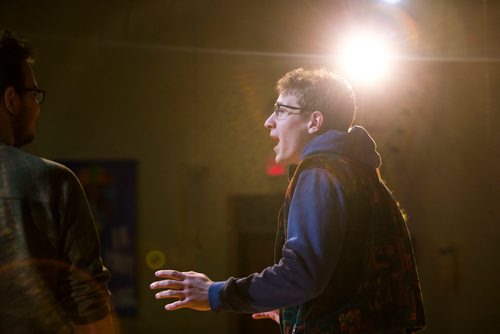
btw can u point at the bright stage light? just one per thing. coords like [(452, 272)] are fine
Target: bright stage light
[(365, 56)]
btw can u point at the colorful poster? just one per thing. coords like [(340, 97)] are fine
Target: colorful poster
[(111, 188)]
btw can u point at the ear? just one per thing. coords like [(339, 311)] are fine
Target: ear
[(10, 100), (315, 122)]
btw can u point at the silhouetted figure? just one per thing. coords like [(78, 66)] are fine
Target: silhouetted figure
[(52, 279)]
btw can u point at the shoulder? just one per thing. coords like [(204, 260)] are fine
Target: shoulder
[(32, 177), (50, 170), (60, 177), (339, 168), (315, 169), (314, 182), (315, 176), (42, 169), (30, 163), (57, 168)]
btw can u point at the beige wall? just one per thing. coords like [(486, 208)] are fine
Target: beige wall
[(167, 83)]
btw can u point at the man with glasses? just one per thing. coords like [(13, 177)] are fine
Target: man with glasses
[(345, 262), (52, 279)]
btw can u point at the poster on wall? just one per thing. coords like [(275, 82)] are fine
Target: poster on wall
[(111, 188)]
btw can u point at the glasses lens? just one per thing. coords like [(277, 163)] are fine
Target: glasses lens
[(276, 111), (39, 97)]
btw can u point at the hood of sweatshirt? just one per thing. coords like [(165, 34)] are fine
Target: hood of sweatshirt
[(356, 144)]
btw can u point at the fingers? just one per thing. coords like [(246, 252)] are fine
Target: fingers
[(167, 284), (174, 283), (273, 315), (176, 305), (183, 302), (177, 275), (170, 294), (190, 288), (262, 315)]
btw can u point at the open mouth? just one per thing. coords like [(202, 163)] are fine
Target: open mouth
[(278, 141)]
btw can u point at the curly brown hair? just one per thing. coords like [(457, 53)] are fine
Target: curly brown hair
[(327, 92)]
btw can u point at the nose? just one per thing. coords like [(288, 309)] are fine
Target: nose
[(270, 122)]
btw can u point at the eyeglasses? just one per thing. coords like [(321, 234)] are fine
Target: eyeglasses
[(279, 112), (39, 94)]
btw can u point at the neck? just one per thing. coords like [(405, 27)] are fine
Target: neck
[(6, 131)]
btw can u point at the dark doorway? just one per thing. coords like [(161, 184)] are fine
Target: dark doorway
[(252, 221)]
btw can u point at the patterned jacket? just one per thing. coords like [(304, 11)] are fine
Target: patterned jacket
[(375, 286)]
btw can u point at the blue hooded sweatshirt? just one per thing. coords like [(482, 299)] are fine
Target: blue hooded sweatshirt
[(313, 245)]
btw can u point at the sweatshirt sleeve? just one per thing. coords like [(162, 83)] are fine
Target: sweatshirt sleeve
[(316, 228)]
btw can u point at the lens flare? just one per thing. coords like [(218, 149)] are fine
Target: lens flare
[(155, 259), (365, 56)]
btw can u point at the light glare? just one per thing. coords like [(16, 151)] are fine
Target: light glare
[(365, 57)]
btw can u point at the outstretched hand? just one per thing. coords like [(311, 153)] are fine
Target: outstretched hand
[(190, 288), (273, 315)]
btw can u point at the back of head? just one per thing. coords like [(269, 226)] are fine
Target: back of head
[(13, 54), (324, 91)]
